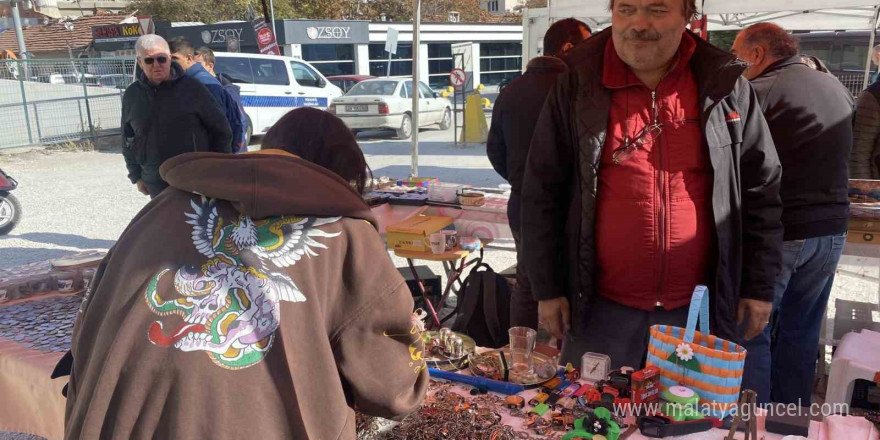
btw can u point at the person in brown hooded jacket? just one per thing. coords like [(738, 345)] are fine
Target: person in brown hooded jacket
[(252, 299)]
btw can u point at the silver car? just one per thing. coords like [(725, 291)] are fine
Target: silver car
[(386, 103)]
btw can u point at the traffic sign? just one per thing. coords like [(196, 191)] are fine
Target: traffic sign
[(457, 77), (391, 41)]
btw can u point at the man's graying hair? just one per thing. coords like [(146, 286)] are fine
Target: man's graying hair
[(690, 8), (149, 42), (778, 42)]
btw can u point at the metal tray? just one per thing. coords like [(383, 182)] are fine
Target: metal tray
[(445, 363), (541, 374)]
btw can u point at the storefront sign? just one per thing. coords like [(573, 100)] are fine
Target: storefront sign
[(116, 32), (324, 32), (265, 37), (329, 33), (220, 36)]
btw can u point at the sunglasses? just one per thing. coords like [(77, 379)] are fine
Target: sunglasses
[(160, 59), (648, 134)]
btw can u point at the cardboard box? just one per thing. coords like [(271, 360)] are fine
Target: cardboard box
[(413, 234), (864, 224)]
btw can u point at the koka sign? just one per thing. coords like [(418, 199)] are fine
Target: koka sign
[(328, 33)]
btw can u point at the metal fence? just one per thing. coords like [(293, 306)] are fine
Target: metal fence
[(853, 81), (52, 101)]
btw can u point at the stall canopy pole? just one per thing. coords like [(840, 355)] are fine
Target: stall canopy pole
[(417, 19), (870, 48)]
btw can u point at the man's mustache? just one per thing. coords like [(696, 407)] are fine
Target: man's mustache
[(644, 35)]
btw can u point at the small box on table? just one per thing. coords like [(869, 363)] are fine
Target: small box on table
[(413, 234)]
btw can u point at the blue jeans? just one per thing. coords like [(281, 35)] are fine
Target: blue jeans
[(781, 361)]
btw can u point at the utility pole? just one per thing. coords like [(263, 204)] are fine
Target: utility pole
[(417, 21), (19, 34)]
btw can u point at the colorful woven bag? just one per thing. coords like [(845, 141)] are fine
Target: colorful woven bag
[(711, 366)]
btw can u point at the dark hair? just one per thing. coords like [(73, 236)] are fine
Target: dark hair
[(774, 39), (563, 31), (206, 54), (322, 139), (690, 8), (181, 46)]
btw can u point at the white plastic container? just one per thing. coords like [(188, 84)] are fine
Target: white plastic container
[(444, 192)]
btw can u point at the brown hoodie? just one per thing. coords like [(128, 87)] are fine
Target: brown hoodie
[(252, 299)]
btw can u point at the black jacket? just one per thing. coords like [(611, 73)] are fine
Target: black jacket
[(514, 117), (559, 192), (810, 118), (161, 121)]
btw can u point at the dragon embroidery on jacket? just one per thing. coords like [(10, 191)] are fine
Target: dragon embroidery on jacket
[(231, 308)]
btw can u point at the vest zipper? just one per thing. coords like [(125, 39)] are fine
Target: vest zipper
[(661, 187)]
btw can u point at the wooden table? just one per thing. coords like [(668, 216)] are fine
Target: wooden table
[(454, 261)]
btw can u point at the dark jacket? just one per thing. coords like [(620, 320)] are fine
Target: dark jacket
[(514, 117), (559, 192), (161, 121), (813, 143), (235, 92), (223, 98), (257, 286), (864, 163)]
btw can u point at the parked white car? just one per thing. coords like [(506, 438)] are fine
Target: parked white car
[(386, 103), (272, 85)]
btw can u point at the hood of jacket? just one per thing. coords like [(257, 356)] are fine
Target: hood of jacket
[(545, 64), (265, 184)]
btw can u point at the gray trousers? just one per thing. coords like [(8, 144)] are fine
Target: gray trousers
[(618, 331)]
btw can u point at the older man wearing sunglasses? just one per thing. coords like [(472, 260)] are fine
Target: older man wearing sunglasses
[(165, 114)]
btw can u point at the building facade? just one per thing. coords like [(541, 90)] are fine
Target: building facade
[(352, 47)]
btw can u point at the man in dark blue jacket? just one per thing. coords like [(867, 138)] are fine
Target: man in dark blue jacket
[(513, 122), (184, 54), (205, 57)]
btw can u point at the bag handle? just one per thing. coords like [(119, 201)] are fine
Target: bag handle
[(699, 308)]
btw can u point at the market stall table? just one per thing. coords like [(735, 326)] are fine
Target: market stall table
[(454, 261)]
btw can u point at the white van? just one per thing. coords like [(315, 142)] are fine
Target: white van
[(272, 85)]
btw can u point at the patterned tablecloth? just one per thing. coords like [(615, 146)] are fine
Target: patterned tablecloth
[(377, 429), (486, 222)]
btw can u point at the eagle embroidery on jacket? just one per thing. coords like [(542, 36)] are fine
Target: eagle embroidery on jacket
[(231, 309)]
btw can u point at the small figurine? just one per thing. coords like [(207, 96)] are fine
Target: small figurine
[(515, 402), (539, 399)]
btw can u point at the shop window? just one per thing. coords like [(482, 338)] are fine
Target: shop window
[(328, 52), (439, 50), (269, 72), (398, 68), (237, 69), (500, 49), (439, 81), (377, 52), (334, 68)]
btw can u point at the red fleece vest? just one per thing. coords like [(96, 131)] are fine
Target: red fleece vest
[(654, 224)]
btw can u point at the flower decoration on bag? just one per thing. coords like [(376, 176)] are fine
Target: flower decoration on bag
[(685, 357), (684, 352), (598, 425)]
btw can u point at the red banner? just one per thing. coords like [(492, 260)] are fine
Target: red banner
[(265, 37)]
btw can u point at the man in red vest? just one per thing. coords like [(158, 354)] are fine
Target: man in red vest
[(651, 171)]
